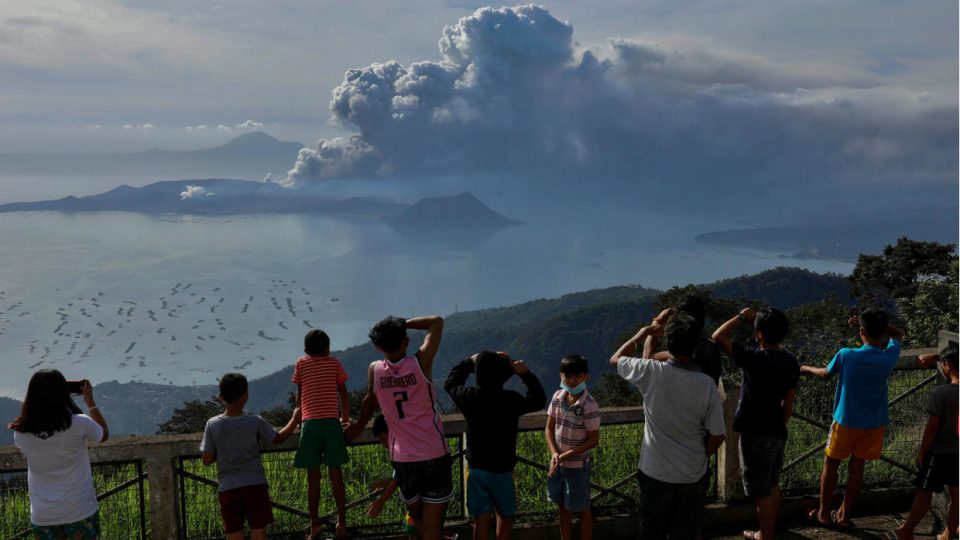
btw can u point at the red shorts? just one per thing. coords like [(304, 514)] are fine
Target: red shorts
[(249, 502)]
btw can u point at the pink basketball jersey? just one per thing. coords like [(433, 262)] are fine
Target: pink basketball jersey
[(410, 407)]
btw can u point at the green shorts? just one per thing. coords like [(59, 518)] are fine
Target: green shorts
[(85, 529), (321, 443)]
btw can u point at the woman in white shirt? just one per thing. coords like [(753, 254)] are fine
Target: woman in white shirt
[(52, 434)]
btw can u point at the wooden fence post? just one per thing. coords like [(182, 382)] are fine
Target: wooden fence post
[(161, 465), (729, 485)]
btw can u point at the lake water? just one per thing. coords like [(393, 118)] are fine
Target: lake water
[(182, 299)]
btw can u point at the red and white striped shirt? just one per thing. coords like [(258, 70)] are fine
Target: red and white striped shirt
[(318, 377), (573, 422)]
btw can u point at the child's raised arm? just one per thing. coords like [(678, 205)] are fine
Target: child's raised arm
[(536, 396), (894, 333), (630, 347), (288, 429), (722, 335), (433, 324)]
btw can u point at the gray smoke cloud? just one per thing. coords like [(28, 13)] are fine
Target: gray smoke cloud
[(513, 92)]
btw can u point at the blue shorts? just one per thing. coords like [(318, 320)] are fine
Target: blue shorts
[(570, 488), (487, 491)]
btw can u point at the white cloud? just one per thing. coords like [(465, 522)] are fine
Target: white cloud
[(514, 92), (193, 191), (222, 127), (196, 129), (140, 127), (249, 125)]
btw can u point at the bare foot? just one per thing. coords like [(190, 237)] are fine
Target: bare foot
[(901, 533), (814, 516), (751, 535)]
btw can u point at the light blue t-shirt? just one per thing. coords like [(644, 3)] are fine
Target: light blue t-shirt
[(861, 399)]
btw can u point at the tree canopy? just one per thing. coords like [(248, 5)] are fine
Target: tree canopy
[(191, 417), (917, 281)]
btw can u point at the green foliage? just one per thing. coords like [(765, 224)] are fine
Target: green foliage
[(783, 288), (280, 415), (191, 417), (718, 309), (356, 398), (917, 280), (613, 391), (818, 330)]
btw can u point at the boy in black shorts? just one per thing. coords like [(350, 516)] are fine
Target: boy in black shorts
[(770, 377), (938, 455)]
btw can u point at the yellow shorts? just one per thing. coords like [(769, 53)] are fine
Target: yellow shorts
[(862, 443)]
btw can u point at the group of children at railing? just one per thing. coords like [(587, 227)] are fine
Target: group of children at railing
[(683, 426)]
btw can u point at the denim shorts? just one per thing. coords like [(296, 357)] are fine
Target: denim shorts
[(570, 488), (487, 491), (761, 460)]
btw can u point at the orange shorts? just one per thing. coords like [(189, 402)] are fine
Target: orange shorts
[(862, 443)]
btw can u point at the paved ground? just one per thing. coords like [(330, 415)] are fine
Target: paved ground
[(868, 527)]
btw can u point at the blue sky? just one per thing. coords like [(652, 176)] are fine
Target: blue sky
[(105, 75)]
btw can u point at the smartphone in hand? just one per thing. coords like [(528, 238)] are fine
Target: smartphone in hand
[(75, 387)]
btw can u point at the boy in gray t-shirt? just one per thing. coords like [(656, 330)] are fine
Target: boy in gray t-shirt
[(232, 440), (683, 426)]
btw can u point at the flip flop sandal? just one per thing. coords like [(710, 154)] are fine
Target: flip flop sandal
[(841, 525)]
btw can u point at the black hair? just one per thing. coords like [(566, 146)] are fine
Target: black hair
[(48, 407), (379, 425), (949, 356), (232, 386), (773, 324), (874, 322), (574, 364), (389, 334), (316, 343), (492, 369), (683, 335), (693, 306)]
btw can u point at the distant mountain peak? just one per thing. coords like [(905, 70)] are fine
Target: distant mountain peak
[(463, 210), (254, 136)]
